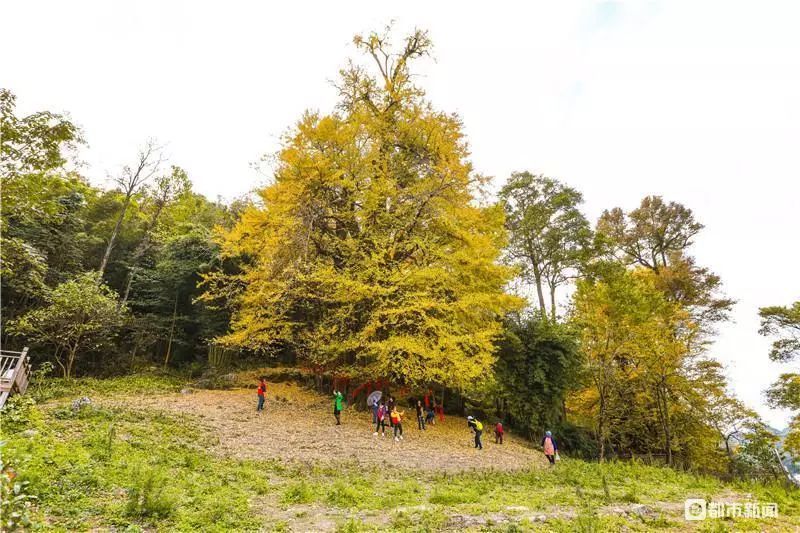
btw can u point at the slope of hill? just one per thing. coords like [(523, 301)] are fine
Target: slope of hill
[(298, 425), (142, 456)]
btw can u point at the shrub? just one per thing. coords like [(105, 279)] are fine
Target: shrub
[(15, 502), (17, 413), (345, 495), (149, 497), (630, 496), (299, 492)]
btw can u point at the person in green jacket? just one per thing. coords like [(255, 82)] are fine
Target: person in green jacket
[(337, 406)]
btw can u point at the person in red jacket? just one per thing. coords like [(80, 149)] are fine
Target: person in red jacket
[(498, 433), (262, 391)]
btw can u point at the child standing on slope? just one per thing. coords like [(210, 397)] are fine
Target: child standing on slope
[(430, 416), (397, 421), (420, 416), (262, 391)]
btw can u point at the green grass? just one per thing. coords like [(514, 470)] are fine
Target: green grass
[(122, 468), (152, 382), (300, 492)]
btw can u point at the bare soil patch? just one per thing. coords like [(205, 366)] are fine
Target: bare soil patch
[(298, 425)]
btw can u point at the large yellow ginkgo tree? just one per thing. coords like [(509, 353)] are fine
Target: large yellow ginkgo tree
[(371, 255)]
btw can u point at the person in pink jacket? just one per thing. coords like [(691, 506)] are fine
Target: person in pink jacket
[(550, 447)]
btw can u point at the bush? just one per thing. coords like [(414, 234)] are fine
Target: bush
[(345, 495), (15, 502), (17, 413), (149, 496), (298, 493)]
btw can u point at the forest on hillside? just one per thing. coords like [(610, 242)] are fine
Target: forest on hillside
[(374, 255)]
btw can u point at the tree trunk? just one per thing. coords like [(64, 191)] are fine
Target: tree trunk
[(601, 429), (117, 226), (171, 330), (553, 303), (133, 354), (663, 411), (57, 357), (131, 273), (537, 277), (602, 444), (141, 249), (71, 360)]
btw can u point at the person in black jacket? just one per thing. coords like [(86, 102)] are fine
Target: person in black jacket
[(420, 416), (477, 427)]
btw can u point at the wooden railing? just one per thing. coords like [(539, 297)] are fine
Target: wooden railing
[(15, 373)]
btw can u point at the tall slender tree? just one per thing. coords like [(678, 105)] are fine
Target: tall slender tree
[(783, 324), (549, 237), (130, 180)]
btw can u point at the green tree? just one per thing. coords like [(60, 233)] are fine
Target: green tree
[(81, 314), (538, 364), (39, 142), (755, 457), (369, 254), (784, 323), (40, 223), (166, 295), (549, 237), (167, 189)]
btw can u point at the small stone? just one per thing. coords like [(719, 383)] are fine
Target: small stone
[(186, 391), (29, 433), (643, 511), (80, 403)]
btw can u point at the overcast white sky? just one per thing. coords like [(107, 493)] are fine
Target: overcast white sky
[(696, 101)]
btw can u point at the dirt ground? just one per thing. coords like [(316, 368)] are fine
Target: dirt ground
[(298, 425)]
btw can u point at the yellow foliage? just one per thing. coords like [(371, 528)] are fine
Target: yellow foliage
[(369, 254)]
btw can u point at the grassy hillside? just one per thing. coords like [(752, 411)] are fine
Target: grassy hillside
[(143, 456)]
